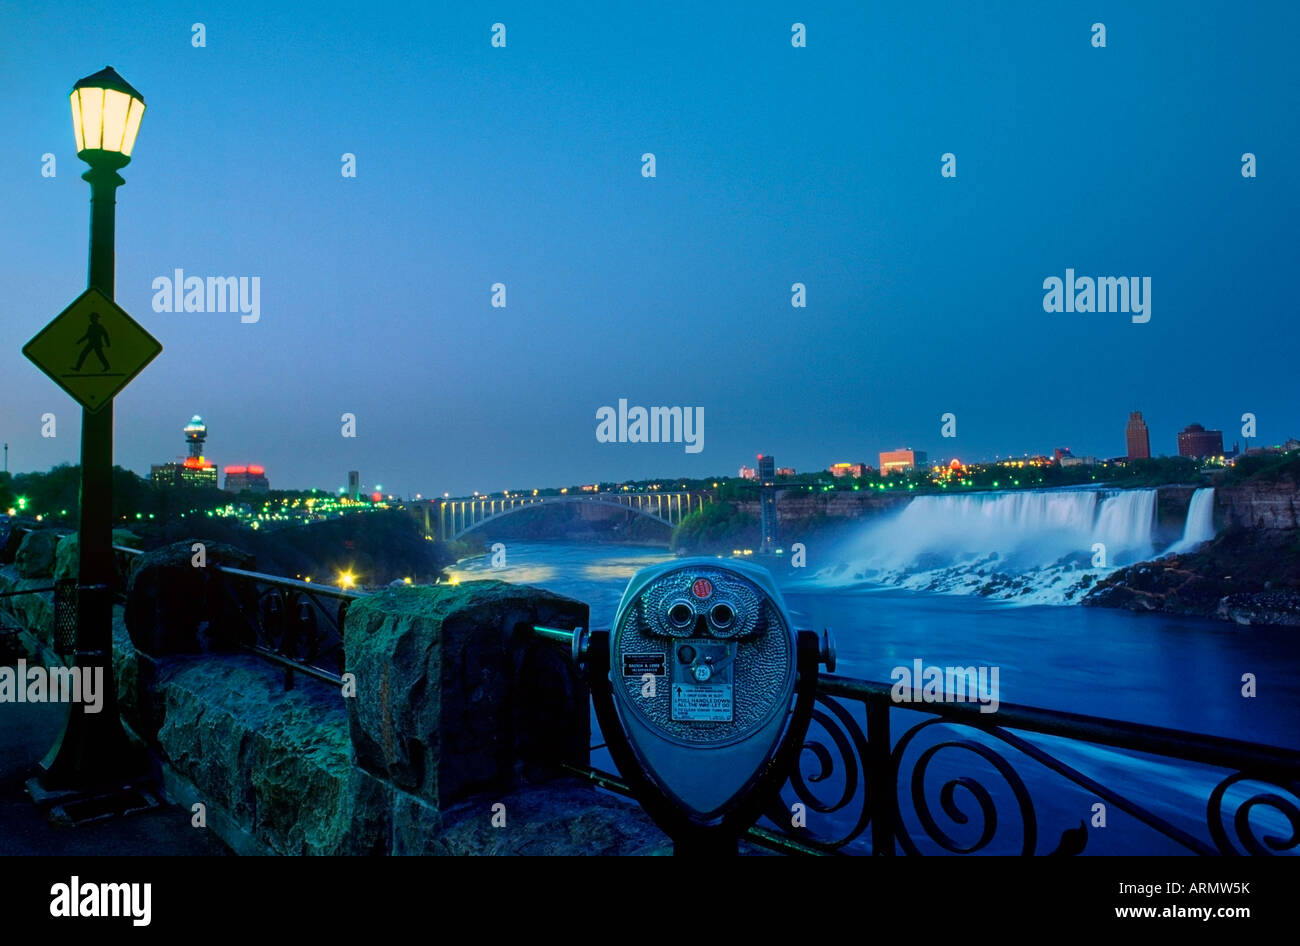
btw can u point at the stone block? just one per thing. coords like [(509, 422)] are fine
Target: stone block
[(174, 607), (453, 688), (35, 558)]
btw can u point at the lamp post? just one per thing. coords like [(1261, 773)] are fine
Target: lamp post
[(91, 756)]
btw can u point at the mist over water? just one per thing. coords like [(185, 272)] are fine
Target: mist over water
[(1030, 546)]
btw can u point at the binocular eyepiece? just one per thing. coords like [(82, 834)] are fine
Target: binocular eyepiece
[(704, 691)]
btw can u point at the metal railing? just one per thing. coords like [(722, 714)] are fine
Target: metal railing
[(866, 790), (296, 625), (881, 777), (26, 591)]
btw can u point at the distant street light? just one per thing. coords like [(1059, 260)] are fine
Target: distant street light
[(92, 753)]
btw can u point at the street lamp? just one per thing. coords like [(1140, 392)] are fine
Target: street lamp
[(92, 754), (106, 113)]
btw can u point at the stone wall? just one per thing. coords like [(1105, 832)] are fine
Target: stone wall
[(453, 687), (272, 767), (448, 736), (38, 559), (1259, 505), (27, 620), (796, 509), (449, 706)]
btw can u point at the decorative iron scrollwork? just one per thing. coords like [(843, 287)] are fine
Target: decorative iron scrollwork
[(988, 811), (834, 734), (1241, 822)]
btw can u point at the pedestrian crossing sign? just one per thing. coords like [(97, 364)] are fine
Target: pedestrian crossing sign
[(92, 349)]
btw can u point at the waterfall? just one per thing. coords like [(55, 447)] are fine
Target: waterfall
[(1125, 522), (1199, 527), (1037, 546)]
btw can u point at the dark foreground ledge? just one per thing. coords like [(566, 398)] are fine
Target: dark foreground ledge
[(447, 734)]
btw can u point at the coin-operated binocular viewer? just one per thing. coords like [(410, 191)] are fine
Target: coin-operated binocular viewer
[(703, 691)]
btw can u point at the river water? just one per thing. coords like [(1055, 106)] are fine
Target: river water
[(1153, 669)]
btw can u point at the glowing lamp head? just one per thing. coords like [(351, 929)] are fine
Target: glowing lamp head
[(106, 114)]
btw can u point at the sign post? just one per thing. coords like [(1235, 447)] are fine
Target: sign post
[(92, 350)]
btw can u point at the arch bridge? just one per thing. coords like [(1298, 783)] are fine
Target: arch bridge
[(448, 519)]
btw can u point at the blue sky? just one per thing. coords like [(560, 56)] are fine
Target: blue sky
[(775, 165)]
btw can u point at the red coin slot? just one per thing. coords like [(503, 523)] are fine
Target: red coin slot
[(702, 588)]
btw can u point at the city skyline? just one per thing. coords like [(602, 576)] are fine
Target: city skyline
[(196, 432), (523, 166)]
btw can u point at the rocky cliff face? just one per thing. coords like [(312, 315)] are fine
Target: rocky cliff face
[(801, 509), (1249, 576), (1171, 512), (1274, 505)]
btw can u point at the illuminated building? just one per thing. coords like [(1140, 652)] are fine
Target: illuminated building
[(194, 470), (785, 471), (900, 460), (354, 485), (767, 502), (946, 474), (1196, 441), (848, 469), (748, 473), (1137, 438), (196, 434), (251, 477)]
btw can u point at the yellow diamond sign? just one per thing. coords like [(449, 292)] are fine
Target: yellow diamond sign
[(92, 349)]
